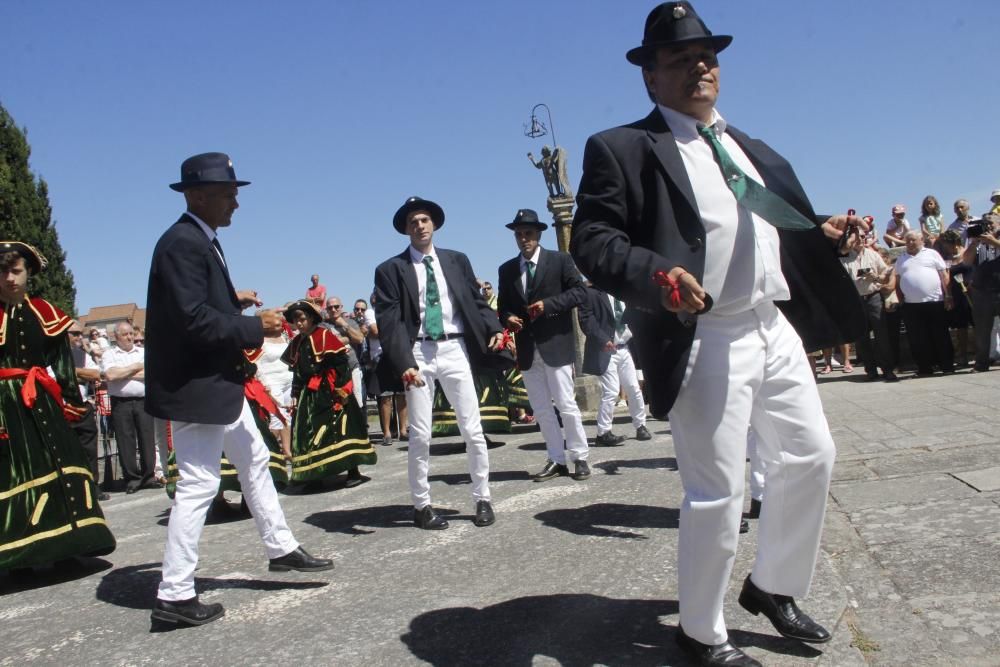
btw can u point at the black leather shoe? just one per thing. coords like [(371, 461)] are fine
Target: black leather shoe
[(581, 471), (129, 490), (642, 433), (754, 512), (744, 526), (355, 478), (428, 519), (608, 439), (190, 612), (890, 377), (103, 497), (783, 613), (301, 561), (484, 514), (724, 654), (551, 469)]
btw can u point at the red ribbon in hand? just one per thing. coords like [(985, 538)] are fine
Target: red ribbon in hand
[(663, 280), (255, 391), (505, 342)]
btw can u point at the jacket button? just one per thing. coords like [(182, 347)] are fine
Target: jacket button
[(689, 322), (696, 245)]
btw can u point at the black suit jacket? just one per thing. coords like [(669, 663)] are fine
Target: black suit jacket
[(195, 334), (397, 312), (557, 284), (637, 214), (597, 321)]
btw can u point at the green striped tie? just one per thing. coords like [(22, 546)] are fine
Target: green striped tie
[(433, 320), (751, 194)]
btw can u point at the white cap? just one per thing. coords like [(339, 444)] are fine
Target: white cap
[(995, 193)]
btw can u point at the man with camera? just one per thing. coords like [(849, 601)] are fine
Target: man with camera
[(983, 254), (871, 275)]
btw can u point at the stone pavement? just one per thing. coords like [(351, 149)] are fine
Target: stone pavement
[(573, 573)]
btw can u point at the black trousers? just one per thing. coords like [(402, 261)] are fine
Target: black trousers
[(985, 306), (86, 431), (134, 435), (879, 354), (927, 331)]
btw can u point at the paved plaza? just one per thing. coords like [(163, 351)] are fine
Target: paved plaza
[(572, 573)]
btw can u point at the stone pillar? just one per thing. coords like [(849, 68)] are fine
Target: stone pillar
[(588, 389)]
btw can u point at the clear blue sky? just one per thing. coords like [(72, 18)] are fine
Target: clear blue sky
[(337, 111)]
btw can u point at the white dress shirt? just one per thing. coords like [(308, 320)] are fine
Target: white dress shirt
[(625, 336), (524, 267), (116, 357), (452, 323), (742, 251)]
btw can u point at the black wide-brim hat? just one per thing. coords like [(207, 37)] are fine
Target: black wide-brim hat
[(417, 204), (306, 307), (527, 218), (207, 169), (33, 260), (674, 24)]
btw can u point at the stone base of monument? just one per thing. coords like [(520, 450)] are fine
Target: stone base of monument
[(588, 393)]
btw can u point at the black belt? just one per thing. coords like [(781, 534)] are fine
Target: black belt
[(451, 336), (622, 346)]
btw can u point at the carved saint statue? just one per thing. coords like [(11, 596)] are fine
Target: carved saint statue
[(553, 166)]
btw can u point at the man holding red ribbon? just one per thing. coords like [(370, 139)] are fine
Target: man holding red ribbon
[(709, 238), (48, 494)]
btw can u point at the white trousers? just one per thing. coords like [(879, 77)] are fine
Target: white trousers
[(758, 467), (747, 369), (621, 372), (448, 363), (548, 385), (162, 453), (199, 450)]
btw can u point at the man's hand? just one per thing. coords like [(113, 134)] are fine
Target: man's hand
[(836, 225), (496, 341), (536, 310), (692, 294), (515, 323), (248, 298), (609, 346), (411, 378), (271, 321)]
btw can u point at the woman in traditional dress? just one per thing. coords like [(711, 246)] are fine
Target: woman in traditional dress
[(329, 431), (48, 496)]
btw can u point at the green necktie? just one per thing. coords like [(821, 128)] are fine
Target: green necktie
[(433, 321), (751, 194), (619, 320), (530, 282)]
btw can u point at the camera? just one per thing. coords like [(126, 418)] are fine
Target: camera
[(864, 272), (977, 229)]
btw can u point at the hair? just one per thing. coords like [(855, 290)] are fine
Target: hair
[(9, 259), (648, 64), (961, 201), (357, 301), (926, 202), (122, 325), (913, 234)]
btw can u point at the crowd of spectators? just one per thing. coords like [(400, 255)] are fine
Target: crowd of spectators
[(932, 281)]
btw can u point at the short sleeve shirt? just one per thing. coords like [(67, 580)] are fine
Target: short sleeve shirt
[(919, 276)]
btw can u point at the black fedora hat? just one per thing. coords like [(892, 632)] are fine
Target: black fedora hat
[(674, 24), (527, 218), (206, 169), (33, 260), (417, 204)]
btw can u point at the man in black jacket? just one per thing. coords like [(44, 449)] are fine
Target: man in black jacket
[(431, 320), (606, 354), (538, 291), (195, 337), (670, 197)]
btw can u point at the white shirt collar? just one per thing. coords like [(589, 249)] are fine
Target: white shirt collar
[(534, 257), (685, 127), (417, 257), (209, 232)]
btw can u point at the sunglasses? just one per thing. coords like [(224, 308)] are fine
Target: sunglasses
[(361, 310), (75, 333), (334, 307)]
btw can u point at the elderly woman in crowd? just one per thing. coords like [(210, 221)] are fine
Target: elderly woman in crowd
[(931, 220), (926, 296)]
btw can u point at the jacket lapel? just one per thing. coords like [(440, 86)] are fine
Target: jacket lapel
[(770, 166), (665, 150), (545, 261), (409, 272), (211, 250)]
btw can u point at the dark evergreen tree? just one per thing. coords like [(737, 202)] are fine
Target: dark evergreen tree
[(25, 215)]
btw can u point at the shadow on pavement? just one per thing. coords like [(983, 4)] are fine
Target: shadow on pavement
[(453, 479), (612, 467), (134, 587), (70, 569), (570, 629), (533, 446), (349, 522), (602, 519)]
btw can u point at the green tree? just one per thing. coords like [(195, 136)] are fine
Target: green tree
[(25, 215)]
